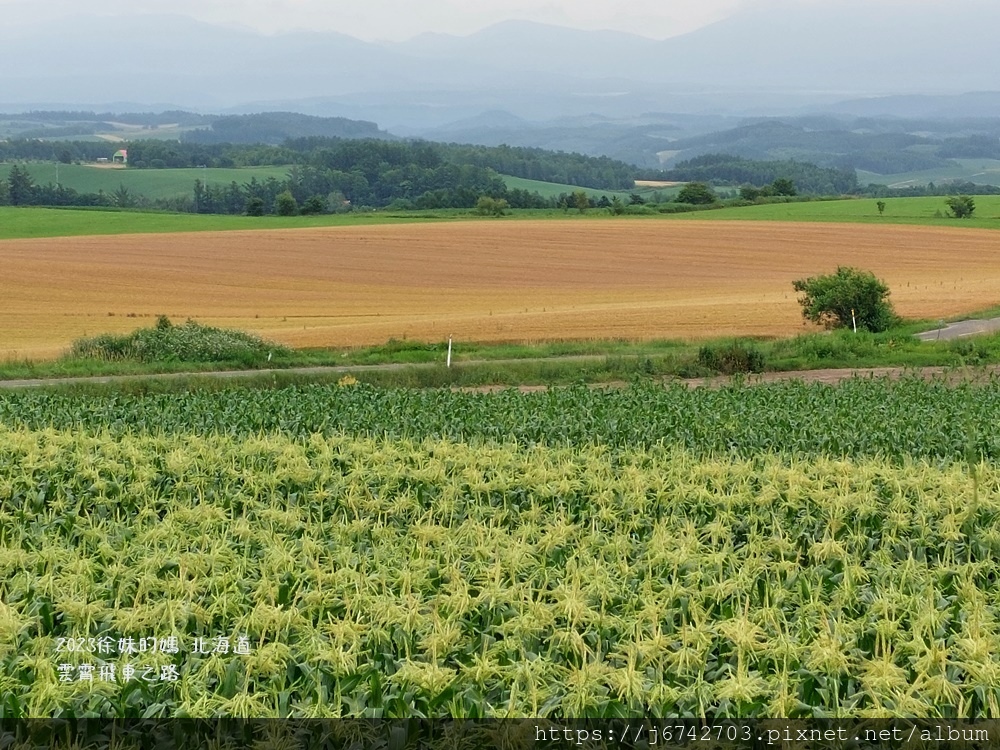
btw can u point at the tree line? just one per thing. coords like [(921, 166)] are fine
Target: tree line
[(364, 156), (725, 169)]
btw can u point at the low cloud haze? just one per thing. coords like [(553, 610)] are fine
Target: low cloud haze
[(403, 19), (745, 58)]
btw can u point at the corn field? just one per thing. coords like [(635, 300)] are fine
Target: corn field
[(783, 551), (902, 419)]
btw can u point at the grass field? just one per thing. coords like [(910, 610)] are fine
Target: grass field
[(931, 211), (152, 183), (43, 222), (980, 171), (23, 223), (481, 281)]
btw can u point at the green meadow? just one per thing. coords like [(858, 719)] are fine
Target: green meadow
[(152, 183), (925, 210), (70, 222), (980, 171), (53, 222)]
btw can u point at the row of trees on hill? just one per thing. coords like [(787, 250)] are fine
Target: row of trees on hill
[(374, 159)]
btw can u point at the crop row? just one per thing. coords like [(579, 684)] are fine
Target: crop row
[(861, 417), (388, 577)]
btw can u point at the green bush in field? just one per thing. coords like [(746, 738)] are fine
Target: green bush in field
[(731, 358), (849, 296), (166, 342)]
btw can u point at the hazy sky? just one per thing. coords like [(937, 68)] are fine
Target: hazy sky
[(401, 19)]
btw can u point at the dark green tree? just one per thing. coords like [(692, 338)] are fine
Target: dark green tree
[(831, 300), (314, 205), (20, 186), (697, 193), (285, 204), (617, 208), (581, 201), (122, 197), (880, 205), (255, 206), (784, 186), (961, 206)]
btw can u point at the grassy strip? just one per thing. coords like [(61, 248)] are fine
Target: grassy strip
[(29, 222), (50, 222), (555, 372), (561, 362)]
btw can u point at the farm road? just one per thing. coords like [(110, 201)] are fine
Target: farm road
[(830, 376), (961, 329)]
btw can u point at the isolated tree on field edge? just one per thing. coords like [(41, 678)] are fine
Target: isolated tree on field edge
[(829, 300), (880, 205), (961, 206)]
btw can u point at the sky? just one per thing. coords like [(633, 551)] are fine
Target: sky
[(401, 19)]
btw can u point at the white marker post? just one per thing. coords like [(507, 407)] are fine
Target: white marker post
[(853, 321), (449, 351)]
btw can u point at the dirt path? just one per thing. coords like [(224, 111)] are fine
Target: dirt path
[(830, 376)]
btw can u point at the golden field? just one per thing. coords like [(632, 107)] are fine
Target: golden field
[(482, 281)]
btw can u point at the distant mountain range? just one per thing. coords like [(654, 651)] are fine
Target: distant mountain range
[(770, 60)]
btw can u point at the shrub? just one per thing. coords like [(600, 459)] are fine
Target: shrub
[(834, 300), (166, 342), (962, 206), (315, 205), (255, 207), (285, 204), (731, 358), (488, 206), (697, 193)]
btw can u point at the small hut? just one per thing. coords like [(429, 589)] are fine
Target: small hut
[(120, 156)]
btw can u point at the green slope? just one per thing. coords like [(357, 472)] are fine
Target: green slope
[(152, 183)]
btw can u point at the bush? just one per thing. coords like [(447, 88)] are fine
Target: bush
[(285, 204), (731, 358), (697, 193), (488, 206), (315, 205), (255, 207), (834, 300), (962, 206), (166, 342)]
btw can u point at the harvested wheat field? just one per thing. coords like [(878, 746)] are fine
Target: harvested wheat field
[(484, 281)]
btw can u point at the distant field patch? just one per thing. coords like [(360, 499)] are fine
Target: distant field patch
[(656, 183), (477, 281), (979, 171), (554, 189)]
